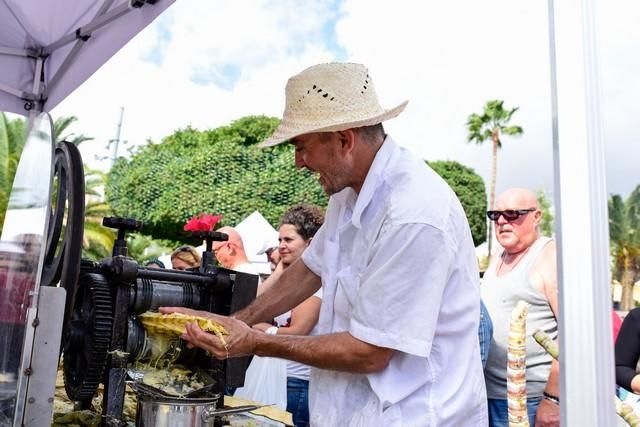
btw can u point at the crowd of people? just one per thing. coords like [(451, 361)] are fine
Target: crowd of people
[(377, 303)]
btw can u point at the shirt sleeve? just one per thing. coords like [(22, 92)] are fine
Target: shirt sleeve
[(628, 349), (400, 290)]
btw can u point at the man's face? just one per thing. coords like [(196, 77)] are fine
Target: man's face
[(517, 234), (220, 252), (322, 153)]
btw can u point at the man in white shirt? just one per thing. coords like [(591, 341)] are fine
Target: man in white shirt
[(397, 341)]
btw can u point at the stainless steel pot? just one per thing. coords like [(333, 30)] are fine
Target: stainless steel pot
[(175, 412), (199, 412)]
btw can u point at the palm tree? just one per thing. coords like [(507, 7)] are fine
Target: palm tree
[(97, 241), (492, 124), (12, 140), (60, 126), (11, 144), (624, 233)]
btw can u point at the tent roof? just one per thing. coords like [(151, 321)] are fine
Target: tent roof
[(49, 48)]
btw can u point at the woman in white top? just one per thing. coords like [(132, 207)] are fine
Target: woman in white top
[(297, 227)]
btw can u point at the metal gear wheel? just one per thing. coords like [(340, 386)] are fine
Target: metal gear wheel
[(88, 338)]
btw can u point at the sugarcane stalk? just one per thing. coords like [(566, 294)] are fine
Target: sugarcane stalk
[(627, 413), (547, 343), (516, 367)]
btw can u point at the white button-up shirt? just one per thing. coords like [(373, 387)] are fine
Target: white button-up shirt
[(399, 270)]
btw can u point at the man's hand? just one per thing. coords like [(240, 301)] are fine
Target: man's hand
[(239, 341), (548, 414)]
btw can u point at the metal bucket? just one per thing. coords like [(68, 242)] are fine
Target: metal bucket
[(153, 412)]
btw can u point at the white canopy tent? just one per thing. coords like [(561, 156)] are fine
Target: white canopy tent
[(47, 49)]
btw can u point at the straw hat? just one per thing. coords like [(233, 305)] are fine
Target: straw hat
[(328, 98)]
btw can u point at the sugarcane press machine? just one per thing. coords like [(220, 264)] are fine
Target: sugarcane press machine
[(85, 311), (103, 337)]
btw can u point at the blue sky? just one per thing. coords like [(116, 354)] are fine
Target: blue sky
[(204, 64)]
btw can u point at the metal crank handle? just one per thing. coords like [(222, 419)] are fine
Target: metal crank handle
[(210, 411)]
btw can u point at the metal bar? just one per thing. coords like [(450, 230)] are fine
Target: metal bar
[(15, 92), (116, 370), (74, 51), (17, 52), (174, 275), (86, 30), (38, 85), (41, 386), (586, 342)]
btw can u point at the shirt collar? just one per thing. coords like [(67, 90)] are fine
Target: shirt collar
[(372, 180)]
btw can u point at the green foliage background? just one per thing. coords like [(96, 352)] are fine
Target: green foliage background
[(470, 189), (222, 171), (219, 171)]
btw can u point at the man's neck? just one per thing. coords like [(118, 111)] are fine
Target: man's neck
[(361, 172)]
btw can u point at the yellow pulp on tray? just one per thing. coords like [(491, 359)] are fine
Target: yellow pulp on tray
[(176, 324)]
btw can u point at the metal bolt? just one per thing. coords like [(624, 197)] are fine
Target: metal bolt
[(31, 400), (35, 322), (28, 371)]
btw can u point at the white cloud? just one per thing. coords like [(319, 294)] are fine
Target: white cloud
[(447, 58)]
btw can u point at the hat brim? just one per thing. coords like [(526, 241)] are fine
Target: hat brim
[(286, 131)]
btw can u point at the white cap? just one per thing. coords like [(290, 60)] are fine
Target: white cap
[(270, 243)]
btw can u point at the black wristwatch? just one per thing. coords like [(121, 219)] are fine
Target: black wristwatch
[(551, 398)]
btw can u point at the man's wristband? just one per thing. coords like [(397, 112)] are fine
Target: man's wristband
[(551, 398), (271, 330)]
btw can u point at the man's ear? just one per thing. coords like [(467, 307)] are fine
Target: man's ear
[(537, 218), (347, 139)]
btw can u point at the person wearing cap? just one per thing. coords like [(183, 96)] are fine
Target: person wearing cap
[(270, 249), (397, 341)]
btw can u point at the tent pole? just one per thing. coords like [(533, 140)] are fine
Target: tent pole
[(86, 30), (17, 52), (586, 339), (38, 87), (81, 37)]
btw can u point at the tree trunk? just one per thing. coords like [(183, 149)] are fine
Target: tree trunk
[(492, 188), (627, 302)]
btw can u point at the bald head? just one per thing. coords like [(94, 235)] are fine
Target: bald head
[(517, 198), (230, 253), (234, 236)]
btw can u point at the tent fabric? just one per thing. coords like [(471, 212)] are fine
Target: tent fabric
[(37, 33)]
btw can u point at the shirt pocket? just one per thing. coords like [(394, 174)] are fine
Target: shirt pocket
[(346, 298)]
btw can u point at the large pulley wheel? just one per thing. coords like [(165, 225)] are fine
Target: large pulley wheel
[(88, 339), (66, 224)]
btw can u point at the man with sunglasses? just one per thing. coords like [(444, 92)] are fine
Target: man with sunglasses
[(524, 269)]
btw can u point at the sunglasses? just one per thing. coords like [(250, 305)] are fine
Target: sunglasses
[(508, 214)]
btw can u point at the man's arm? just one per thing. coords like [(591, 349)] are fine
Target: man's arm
[(295, 285), (548, 412), (340, 351)]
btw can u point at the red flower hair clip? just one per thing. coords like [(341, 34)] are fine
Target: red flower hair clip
[(202, 222)]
